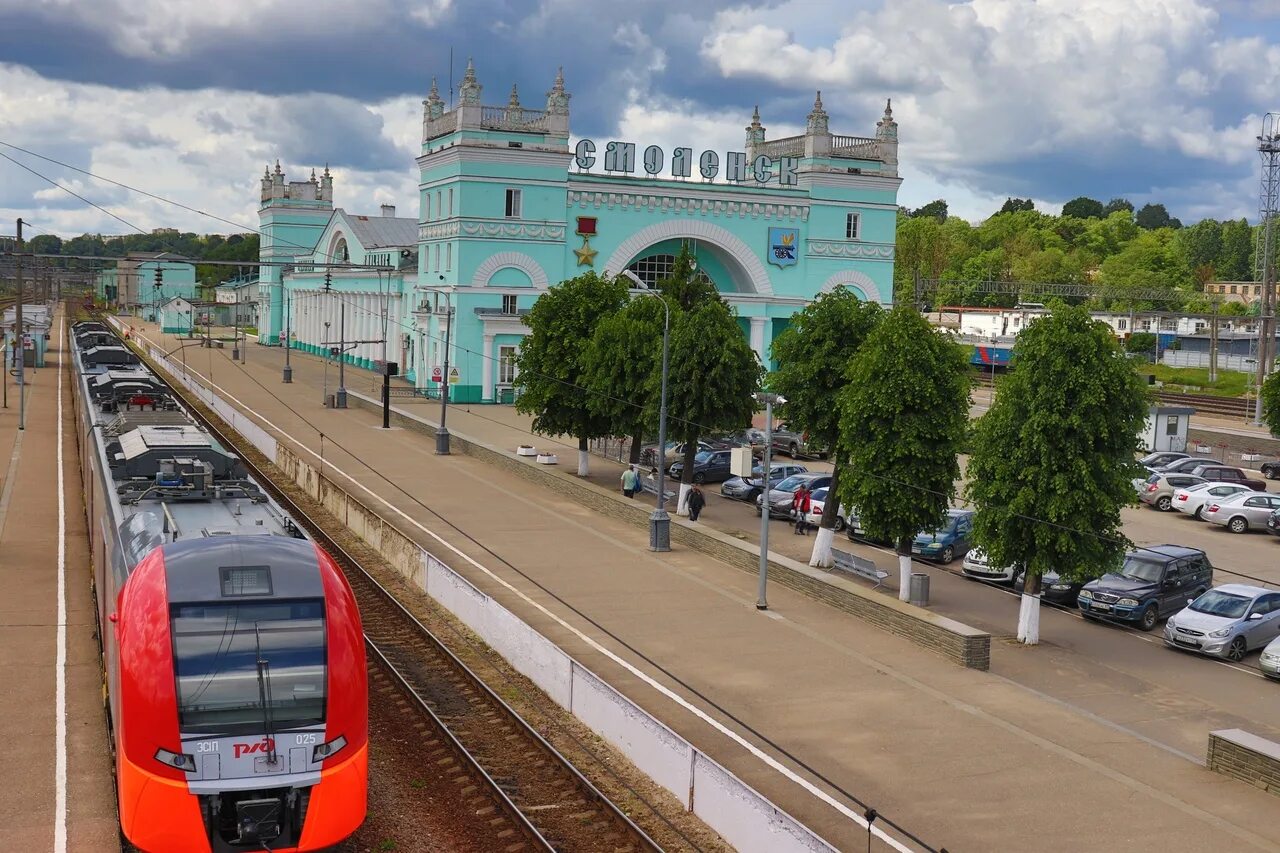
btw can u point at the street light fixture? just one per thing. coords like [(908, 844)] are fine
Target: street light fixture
[(769, 401), (659, 521)]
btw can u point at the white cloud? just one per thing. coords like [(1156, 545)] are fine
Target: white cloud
[(205, 148)]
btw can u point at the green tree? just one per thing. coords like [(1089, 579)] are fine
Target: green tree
[(814, 354), (1153, 216), (552, 358), (1141, 342), (1053, 457), (1201, 244), (1236, 262), (1083, 207), (713, 375), (625, 353), (45, 244), (1271, 403), (904, 413), (937, 209), (1117, 205), (1013, 205)]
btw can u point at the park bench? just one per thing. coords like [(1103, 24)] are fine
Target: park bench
[(649, 485), (860, 566)]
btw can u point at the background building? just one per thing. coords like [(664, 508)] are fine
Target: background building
[(507, 208)]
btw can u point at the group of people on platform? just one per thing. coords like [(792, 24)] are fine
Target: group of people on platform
[(801, 500)]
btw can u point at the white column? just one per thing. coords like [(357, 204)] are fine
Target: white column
[(486, 370), (757, 338)]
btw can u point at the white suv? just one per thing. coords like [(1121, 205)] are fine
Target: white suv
[(976, 565)]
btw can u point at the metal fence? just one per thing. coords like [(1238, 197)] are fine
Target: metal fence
[(1183, 358)]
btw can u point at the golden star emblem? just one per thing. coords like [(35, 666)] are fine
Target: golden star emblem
[(586, 255)]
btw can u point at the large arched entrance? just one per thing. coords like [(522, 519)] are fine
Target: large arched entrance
[(725, 259)]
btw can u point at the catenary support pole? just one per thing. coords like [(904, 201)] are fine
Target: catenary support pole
[(19, 336), (762, 603)]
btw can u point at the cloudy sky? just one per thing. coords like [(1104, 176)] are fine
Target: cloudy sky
[(1155, 100)]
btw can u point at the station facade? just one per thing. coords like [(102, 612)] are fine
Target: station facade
[(509, 205)]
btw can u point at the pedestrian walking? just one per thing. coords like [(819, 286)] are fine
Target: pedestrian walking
[(800, 504), (630, 481), (696, 502)]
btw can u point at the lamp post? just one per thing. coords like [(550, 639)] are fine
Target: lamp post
[(340, 399), (329, 353), (768, 399), (659, 521), (287, 377), (442, 431)]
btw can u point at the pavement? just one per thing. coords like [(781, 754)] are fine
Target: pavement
[(43, 759), (963, 759)]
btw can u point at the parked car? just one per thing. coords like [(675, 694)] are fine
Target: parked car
[(1193, 499), (818, 504), (1269, 663), (1054, 588), (748, 489), (1227, 621), (709, 466), (1242, 512), (1227, 474), (1152, 582), (1158, 489), (780, 495), (1183, 466), (1271, 470), (976, 565), (675, 451), (1163, 457), (794, 443), (855, 531), (1273, 523), (953, 539)]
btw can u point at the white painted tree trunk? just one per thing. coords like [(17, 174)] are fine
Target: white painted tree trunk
[(1029, 620), (682, 505), (904, 577), (583, 456), (821, 556)]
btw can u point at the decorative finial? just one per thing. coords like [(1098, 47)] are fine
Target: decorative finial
[(558, 98), (278, 172), (888, 108), (469, 91), (818, 119), (755, 130), (266, 171), (514, 100), (435, 89), (313, 175), (817, 101), (434, 104), (887, 128), (326, 170)]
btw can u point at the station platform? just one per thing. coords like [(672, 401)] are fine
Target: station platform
[(962, 759), (60, 795)]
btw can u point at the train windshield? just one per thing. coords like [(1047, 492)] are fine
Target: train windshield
[(230, 657)]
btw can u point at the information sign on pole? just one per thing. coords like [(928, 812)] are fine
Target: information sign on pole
[(436, 375), (454, 376)]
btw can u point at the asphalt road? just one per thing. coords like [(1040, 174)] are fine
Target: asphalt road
[(1124, 677)]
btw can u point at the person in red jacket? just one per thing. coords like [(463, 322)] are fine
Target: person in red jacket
[(800, 504)]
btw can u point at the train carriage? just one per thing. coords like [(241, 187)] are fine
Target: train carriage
[(232, 644)]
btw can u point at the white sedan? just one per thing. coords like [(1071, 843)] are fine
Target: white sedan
[(817, 503), (1192, 499)]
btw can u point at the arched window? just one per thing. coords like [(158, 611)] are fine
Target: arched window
[(338, 250), (655, 268)]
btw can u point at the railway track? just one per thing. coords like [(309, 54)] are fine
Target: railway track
[(1208, 404), (531, 796)]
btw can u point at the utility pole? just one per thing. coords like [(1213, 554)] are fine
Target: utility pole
[(340, 401), (19, 336), (1268, 208), (1213, 344)]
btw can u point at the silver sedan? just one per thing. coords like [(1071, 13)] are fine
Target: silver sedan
[(1228, 621), (1243, 512)]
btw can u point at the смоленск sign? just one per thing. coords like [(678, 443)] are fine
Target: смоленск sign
[(621, 157)]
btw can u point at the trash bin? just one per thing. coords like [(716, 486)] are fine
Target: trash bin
[(919, 593), (329, 401)]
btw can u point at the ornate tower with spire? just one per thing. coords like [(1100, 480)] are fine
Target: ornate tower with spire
[(817, 130), (469, 91), (291, 218), (887, 139), (755, 134)]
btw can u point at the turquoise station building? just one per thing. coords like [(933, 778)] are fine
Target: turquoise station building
[(511, 204)]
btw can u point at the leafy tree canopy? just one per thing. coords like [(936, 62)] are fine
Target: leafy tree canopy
[(1083, 207), (1013, 205), (904, 412), (814, 354), (713, 373), (1117, 205), (624, 354), (1155, 216), (553, 357), (936, 209), (1053, 457)]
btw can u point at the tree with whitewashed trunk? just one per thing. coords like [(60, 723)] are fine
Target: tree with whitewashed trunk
[(713, 375), (553, 358), (903, 416), (624, 355), (1053, 458), (814, 354)]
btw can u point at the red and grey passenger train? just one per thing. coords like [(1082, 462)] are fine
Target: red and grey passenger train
[(231, 643)]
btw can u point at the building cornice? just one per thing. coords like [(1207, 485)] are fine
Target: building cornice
[(692, 203), (850, 249), (494, 154), (531, 230)]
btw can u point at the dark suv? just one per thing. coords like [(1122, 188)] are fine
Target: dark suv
[(1152, 583)]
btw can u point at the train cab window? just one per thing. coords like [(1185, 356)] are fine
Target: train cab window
[(229, 656)]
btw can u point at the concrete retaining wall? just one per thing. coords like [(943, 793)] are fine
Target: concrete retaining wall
[(1244, 756), (745, 818), (954, 640)]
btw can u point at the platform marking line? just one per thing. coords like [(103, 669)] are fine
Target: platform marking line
[(60, 701), (760, 754)]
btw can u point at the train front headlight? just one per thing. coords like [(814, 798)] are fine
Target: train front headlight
[(327, 750), (180, 760)]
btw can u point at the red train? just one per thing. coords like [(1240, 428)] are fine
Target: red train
[(233, 647)]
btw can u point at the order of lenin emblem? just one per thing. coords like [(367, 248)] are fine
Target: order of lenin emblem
[(783, 245)]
